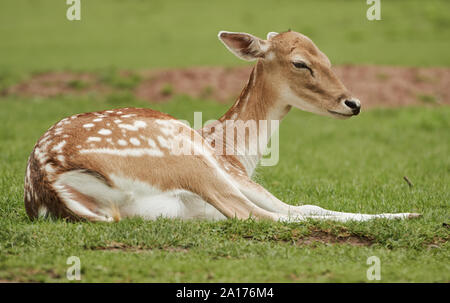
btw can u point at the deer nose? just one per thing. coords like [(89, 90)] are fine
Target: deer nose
[(354, 105)]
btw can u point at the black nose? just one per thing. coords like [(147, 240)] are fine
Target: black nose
[(356, 107)]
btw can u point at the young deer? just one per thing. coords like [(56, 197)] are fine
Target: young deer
[(108, 165)]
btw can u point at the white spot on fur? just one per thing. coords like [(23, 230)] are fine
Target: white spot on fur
[(104, 132), (42, 211), (168, 131), (49, 169), (94, 139), (127, 152), (45, 138), (168, 127), (122, 142), (41, 156), (135, 127), (28, 171), (45, 145), (97, 120), (88, 125), (58, 148), (151, 143), (135, 141), (163, 142), (140, 124)]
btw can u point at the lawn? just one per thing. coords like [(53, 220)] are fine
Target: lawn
[(160, 33), (355, 165)]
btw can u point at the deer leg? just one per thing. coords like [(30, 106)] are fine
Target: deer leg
[(88, 197), (312, 210), (231, 203), (222, 193), (264, 199)]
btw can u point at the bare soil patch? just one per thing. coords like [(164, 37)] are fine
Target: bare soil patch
[(324, 237), (320, 236), (374, 85), (118, 246), (54, 84)]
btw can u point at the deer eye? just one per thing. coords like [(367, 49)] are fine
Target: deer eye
[(301, 64)]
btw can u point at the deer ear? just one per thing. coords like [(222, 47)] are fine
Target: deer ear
[(244, 46), (270, 35)]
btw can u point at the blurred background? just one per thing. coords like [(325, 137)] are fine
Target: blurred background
[(141, 34)]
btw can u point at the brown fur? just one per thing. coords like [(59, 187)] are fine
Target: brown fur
[(323, 90), (38, 187)]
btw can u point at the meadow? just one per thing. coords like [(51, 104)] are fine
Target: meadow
[(356, 165), (146, 34)]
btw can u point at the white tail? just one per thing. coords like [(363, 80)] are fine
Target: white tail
[(104, 166)]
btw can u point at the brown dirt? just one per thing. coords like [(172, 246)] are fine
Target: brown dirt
[(118, 246), (53, 84), (320, 236), (373, 85), (217, 83)]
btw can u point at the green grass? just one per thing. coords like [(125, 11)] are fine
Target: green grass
[(355, 165), (141, 34)]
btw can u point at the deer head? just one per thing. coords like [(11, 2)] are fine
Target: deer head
[(297, 72)]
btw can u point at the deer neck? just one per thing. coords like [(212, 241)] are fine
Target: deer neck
[(258, 106)]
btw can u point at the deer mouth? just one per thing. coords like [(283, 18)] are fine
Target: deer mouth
[(340, 114)]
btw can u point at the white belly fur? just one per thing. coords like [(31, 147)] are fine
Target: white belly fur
[(150, 203), (134, 198), (172, 204)]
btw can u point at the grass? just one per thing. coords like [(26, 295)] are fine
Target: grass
[(139, 34), (355, 165)]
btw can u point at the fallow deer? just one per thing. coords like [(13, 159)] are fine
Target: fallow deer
[(113, 164)]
